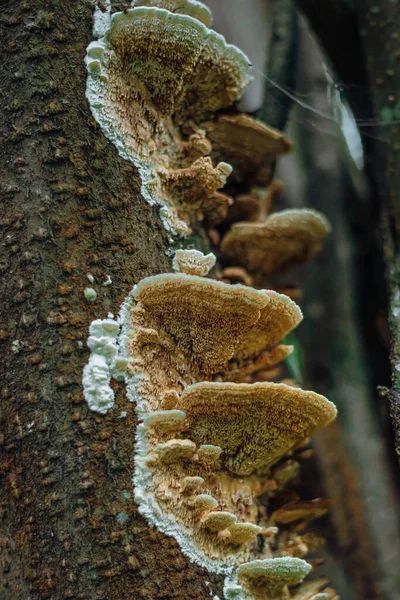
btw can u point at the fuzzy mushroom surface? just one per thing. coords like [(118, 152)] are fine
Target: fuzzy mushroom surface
[(285, 238), (254, 424), (267, 578)]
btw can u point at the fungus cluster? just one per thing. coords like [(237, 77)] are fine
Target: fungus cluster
[(159, 80), (218, 442), (215, 447)]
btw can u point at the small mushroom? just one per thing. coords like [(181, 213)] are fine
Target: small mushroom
[(165, 421), (205, 502), (269, 578), (265, 361), (241, 533), (236, 275), (218, 521), (301, 511), (284, 239), (315, 590), (244, 207), (192, 483), (194, 186), (173, 451), (207, 454), (193, 262)]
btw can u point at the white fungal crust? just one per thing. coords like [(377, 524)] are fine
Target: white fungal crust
[(104, 363), (96, 384), (156, 72)]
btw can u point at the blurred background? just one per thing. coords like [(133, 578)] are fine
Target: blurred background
[(345, 333)]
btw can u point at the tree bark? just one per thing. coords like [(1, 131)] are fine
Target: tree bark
[(70, 207)]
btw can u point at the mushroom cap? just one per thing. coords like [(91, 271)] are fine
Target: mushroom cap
[(205, 502), (237, 275), (192, 483), (285, 238), (173, 451), (243, 532), (313, 590), (193, 262), (273, 574), (219, 520), (215, 208), (254, 424), (206, 318), (165, 421), (250, 146), (244, 207), (280, 316), (266, 361), (301, 511), (193, 8), (207, 454), (181, 66)]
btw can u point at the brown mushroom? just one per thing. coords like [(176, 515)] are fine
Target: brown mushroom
[(254, 424), (284, 239)]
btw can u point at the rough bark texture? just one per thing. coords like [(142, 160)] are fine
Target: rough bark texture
[(70, 206)]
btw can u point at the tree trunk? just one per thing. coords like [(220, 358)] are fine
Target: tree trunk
[(70, 207), (379, 26)]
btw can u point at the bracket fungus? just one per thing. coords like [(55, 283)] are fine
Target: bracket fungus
[(206, 318), (285, 238), (206, 450), (304, 511), (214, 433), (209, 452), (250, 146), (254, 424), (153, 77)]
